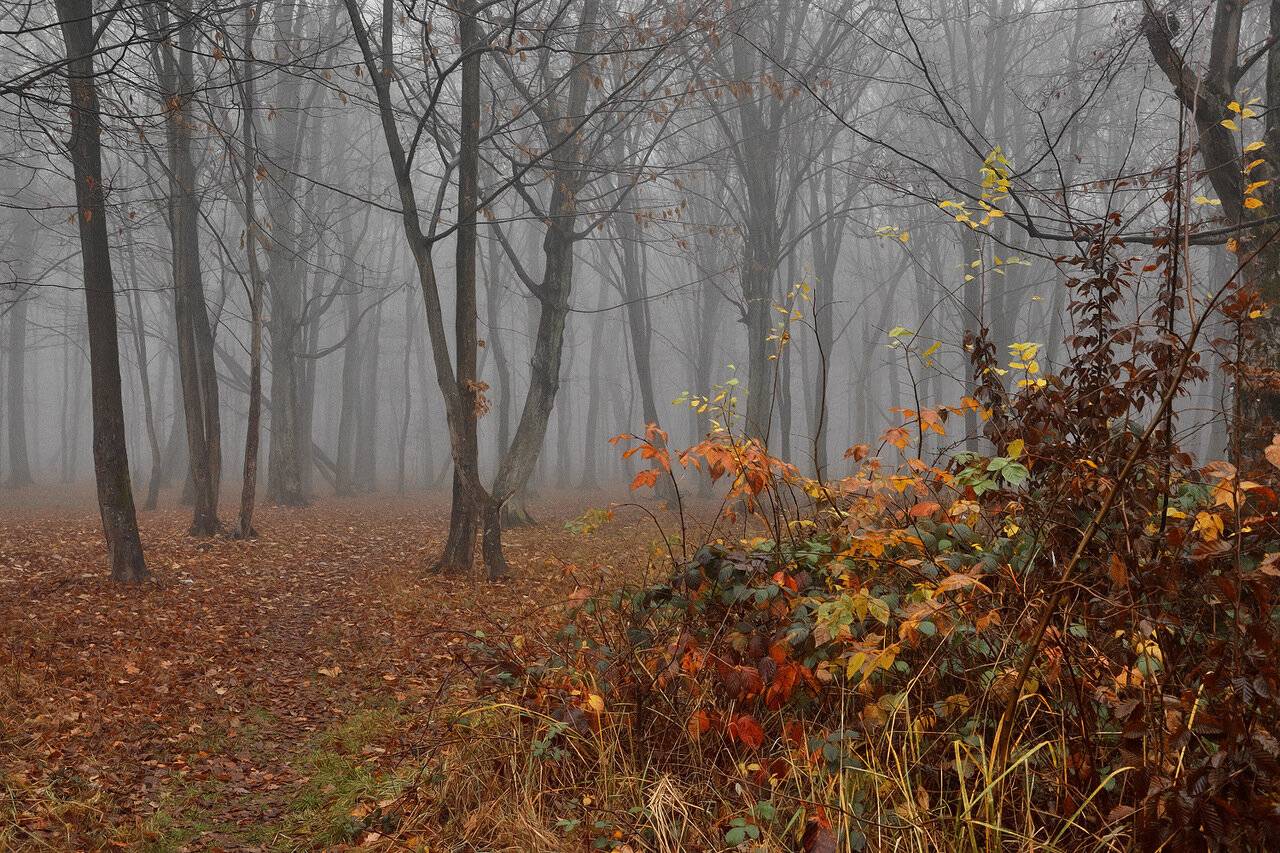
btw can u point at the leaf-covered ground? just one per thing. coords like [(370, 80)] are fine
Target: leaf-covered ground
[(253, 694)]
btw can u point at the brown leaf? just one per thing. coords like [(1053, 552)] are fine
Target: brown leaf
[(819, 839), (1272, 451)]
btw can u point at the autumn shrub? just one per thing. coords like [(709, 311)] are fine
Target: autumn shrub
[(1062, 639)]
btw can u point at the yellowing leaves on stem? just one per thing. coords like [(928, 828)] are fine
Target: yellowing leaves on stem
[(1209, 525)]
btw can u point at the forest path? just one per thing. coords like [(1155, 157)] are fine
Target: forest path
[(251, 692)]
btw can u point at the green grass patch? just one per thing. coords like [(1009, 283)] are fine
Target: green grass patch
[(339, 800)]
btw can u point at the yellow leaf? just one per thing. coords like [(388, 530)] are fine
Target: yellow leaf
[(1209, 525), (1253, 186), (1015, 448), (1229, 124), (1254, 146), (596, 703), (1252, 203), (1234, 106)]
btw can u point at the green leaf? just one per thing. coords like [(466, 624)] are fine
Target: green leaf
[(1015, 473), (879, 610)]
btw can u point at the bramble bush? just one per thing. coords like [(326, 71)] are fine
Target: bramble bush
[(1065, 641)]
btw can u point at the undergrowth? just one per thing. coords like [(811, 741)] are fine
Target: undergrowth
[(1061, 638)]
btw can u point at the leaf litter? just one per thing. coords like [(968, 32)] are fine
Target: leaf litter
[(180, 714)]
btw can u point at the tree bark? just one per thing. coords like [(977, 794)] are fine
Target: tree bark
[(110, 456), (198, 378), (407, 386), (284, 261), (16, 403), (365, 462), (640, 323), (140, 345), (252, 237), (459, 549)]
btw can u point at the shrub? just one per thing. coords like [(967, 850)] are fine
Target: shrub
[(1063, 642)]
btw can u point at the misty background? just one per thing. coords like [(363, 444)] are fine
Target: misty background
[(725, 174)]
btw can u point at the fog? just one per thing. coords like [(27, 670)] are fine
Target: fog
[(472, 242)]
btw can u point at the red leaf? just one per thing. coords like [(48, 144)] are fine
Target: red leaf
[(819, 839), (747, 731)]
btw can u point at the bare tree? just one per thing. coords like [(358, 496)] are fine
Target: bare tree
[(110, 457)]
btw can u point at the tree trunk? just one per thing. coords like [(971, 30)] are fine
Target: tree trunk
[(194, 339), (365, 462), (403, 441), (140, 343), (64, 419), (597, 356), (110, 456), (459, 549), (347, 407), (284, 262), (459, 409), (640, 324), (77, 415), (19, 460), (253, 234), (759, 265), (495, 343), (175, 446)]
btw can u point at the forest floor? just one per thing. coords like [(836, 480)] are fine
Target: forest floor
[(253, 694)]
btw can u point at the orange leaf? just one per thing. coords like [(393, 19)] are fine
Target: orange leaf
[(1118, 572), (897, 436), (647, 477), (699, 722)]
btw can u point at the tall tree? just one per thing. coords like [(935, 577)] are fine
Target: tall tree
[(110, 456), (19, 249), (197, 375)]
